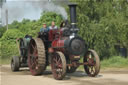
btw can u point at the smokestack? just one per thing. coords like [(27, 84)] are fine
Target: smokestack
[(73, 15)]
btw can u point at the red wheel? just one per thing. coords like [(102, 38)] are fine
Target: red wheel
[(93, 67), (58, 64), (36, 57)]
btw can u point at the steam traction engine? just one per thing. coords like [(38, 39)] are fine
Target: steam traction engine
[(62, 49)]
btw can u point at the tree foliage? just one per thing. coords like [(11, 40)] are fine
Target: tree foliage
[(8, 43), (103, 24), (8, 46)]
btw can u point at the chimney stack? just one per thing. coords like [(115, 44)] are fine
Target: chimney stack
[(73, 15), (73, 20)]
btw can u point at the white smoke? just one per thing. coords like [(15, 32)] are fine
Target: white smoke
[(29, 9)]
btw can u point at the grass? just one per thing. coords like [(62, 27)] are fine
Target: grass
[(115, 62), (4, 61), (112, 62)]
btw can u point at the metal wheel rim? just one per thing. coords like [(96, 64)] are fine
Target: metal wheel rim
[(33, 57), (57, 66), (91, 67)]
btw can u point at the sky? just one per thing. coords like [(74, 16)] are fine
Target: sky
[(30, 9)]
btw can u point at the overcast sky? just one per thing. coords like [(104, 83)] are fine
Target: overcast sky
[(29, 9)]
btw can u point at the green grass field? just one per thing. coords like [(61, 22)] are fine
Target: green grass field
[(5, 61), (112, 62), (115, 62)]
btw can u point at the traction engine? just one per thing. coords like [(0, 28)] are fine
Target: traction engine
[(62, 49)]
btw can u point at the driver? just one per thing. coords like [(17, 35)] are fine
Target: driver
[(44, 28)]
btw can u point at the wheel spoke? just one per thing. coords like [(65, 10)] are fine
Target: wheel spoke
[(33, 66), (34, 52), (59, 60), (92, 70), (93, 67), (33, 62), (60, 66), (94, 63), (30, 54), (33, 46), (89, 68), (54, 59), (60, 72)]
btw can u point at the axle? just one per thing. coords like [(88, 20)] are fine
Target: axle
[(76, 64)]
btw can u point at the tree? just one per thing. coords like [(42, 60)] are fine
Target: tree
[(17, 29), (103, 24)]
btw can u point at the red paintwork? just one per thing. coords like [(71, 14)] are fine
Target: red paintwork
[(55, 36), (58, 43)]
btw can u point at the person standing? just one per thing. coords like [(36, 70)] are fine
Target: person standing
[(53, 26)]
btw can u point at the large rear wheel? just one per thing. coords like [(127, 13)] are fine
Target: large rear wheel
[(36, 56), (58, 65), (93, 67)]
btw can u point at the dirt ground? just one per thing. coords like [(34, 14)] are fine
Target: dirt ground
[(24, 77)]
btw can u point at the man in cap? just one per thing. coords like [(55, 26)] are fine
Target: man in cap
[(44, 28)]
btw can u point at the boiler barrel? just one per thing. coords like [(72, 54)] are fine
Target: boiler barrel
[(74, 46)]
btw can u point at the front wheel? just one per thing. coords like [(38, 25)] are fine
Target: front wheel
[(93, 66), (15, 63), (58, 65)]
